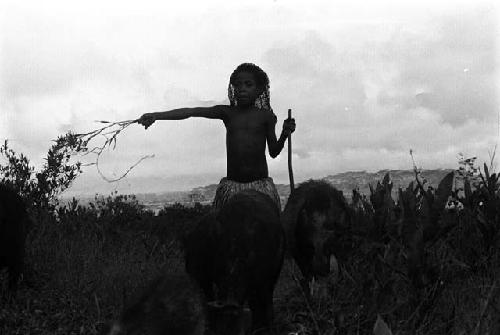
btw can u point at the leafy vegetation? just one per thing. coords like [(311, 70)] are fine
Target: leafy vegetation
[(41, 188), (424, 263)]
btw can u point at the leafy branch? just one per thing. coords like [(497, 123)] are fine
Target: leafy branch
[(110, 132)]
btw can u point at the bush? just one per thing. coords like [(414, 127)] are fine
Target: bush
[(41, 188)]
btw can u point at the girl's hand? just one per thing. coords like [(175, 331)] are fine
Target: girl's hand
[(288, 126), (147, 120)]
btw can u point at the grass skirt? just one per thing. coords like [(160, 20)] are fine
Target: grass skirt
[(227, 188)]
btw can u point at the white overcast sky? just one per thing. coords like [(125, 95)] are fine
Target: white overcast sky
[(366, 81)]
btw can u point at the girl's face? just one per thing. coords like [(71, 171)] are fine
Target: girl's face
[(245, 88)]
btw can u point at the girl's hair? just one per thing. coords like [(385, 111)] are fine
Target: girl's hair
[(262, 81)]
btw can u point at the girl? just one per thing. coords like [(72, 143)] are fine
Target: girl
[(250, 123)]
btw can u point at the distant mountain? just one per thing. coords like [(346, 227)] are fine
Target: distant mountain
[(362, 180), (346, 182)]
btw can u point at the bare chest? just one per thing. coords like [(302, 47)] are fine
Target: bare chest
[(246, 123)]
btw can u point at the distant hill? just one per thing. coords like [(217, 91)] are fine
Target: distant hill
[(401, 178), (346, 182)]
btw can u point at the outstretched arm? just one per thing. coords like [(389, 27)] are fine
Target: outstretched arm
[(214, 112), (276, 145)]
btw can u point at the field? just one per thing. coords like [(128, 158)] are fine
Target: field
[(426, 263)]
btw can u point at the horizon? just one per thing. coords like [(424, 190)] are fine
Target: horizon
[(79, 193)]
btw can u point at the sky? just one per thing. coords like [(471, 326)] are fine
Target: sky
[(366, 82)]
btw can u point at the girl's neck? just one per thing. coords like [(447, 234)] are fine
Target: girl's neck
[(246, 107)]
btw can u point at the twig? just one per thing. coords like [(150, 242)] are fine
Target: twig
[(110, 135), (492, 157), (415, 169), (124, 174)]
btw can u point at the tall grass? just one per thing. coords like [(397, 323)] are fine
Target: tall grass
[(423, 264)]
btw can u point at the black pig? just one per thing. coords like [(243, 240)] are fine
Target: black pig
[(236, 256), (172, 304), (316, 218), (14, 221)]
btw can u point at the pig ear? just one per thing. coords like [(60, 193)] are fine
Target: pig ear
[(380, 327)]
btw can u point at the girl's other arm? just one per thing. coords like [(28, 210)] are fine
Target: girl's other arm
[(214, 112), (276, 145)]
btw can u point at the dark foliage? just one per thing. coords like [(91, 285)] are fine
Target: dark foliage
[(14, 222), (427, 261)]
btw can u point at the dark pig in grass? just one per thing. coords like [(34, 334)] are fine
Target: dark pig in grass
[(236, 257), (172, 304), (316, 219), (14, 221)]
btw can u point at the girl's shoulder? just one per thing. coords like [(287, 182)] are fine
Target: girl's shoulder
[(259, 113), (269, 114), (223, 110)]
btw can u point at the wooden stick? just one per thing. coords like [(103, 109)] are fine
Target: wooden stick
[(290, 170)]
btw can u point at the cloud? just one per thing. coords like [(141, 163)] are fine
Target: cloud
[(302, 153), (365, 83), (448, 67), (451, 70), (432, 89)]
